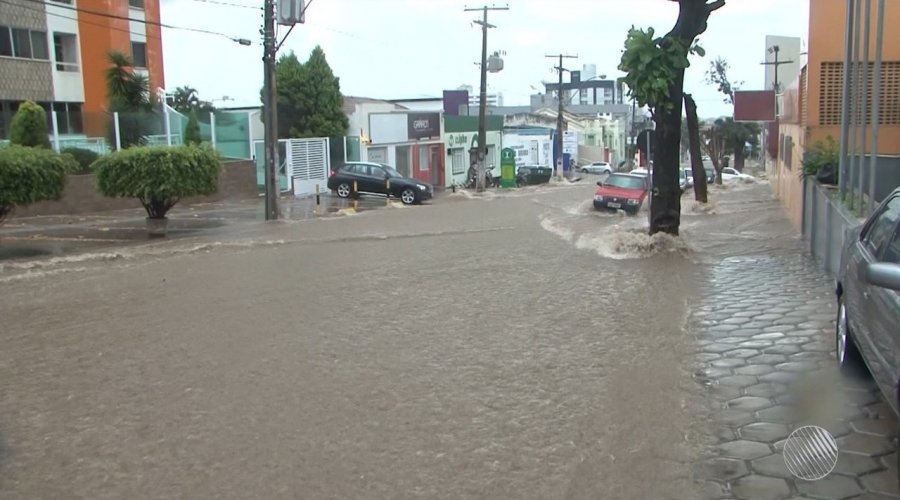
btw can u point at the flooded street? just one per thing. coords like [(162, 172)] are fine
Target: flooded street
[(500, 346)]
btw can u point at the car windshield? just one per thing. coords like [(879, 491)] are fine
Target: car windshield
[(624, 182)]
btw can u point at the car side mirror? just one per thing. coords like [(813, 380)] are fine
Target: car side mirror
[(883, 275), (599, 183)]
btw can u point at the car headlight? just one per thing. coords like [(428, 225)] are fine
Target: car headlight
[(597, 197), (632, 202), (422, 187)]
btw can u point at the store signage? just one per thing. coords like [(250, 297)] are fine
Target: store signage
[(423, 125)]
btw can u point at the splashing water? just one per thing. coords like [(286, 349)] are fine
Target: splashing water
[(625, 240)]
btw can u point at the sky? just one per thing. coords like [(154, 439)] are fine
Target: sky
[(394, 49)]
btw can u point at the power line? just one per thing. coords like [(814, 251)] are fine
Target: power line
[(126, 18), (229, 4)]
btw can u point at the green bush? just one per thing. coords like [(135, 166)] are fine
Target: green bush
[(84, 157), (821, 155), (192, 129), (29, 175), (159, 176), (29, 126)]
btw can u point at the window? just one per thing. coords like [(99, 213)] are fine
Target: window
[(883, 227), (892, 251), (457, 161), (5, 42), (23, 43), (139, 54), (376, 172), (65, 48), (136, 4), (68, 118)]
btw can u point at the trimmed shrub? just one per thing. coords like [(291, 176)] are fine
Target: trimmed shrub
[(159, 176), (192, 129), (29, 175), (29, 126), (84, 157)]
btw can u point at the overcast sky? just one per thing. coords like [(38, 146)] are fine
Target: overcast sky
[(418, 48)]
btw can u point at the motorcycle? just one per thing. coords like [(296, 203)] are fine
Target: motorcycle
[(489, 179)]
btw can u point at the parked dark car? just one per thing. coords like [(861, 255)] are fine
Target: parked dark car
[(533, 174), (868, 318), (373, 178)]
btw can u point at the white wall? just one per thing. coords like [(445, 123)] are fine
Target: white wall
[(433, 105), (385, 128), (68, 86), (359, 119)]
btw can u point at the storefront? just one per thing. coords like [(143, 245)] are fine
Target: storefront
[(461, 141), (408, 141)]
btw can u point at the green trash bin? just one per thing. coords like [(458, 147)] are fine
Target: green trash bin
[(508, 168)]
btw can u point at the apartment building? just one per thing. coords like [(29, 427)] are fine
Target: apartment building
[(54, 52)]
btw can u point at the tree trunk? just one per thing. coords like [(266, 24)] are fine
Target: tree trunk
[(665, 204), (739, 159), (665, 199), (699, 173)]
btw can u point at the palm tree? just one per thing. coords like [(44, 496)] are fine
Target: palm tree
[(128, 94), (185, 99)]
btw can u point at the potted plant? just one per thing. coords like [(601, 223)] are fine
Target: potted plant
[(159, 177), (821, 161)]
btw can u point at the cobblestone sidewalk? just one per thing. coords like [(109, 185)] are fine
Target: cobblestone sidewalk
[(763, 323)]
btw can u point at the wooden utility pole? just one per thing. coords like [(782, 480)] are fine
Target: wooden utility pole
[(270, 111), (482, 104), (559, 113)]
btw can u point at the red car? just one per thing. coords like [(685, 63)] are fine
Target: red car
[(621, 192)]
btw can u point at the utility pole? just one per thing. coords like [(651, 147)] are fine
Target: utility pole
[(559, 112), (271, 113), (482, 103), (775, 49), (776, 85)]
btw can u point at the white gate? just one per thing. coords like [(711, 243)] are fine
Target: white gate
[(308, 164)]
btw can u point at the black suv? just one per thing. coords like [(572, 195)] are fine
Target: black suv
[(375, 178)]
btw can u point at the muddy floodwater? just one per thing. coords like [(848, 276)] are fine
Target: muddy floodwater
[(511, 345)]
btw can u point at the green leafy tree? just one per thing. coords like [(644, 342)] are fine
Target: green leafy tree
[(654, 68), (29, 175), (186, 99), (737, 135), (128, 93), (192, 129), (310, 103), (29, 126), (159, 176)]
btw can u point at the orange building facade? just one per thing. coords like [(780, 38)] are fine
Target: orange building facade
[(811, 107), (54, 53)]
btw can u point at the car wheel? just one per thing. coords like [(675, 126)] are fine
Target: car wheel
[(847, 353), (408, 196), (584, 170), (607, 171), (343, 190)]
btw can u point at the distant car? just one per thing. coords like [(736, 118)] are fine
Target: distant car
[(621, 192), (373, 178), (598, 167), (640, 171), (688, 176), (868, 305), (729, 174)]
